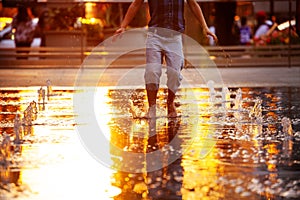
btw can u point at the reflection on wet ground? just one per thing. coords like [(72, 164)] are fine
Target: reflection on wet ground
[(240, 143)]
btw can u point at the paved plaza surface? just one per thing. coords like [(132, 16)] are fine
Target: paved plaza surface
[(231, 77)]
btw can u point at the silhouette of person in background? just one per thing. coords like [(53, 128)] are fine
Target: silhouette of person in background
[(236, 31), (24, 30), (212, 28), (245, 32), (261, 27)]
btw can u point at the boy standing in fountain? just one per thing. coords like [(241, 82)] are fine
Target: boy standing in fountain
[(164, 42)]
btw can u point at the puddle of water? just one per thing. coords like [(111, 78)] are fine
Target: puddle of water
[(231, 146)]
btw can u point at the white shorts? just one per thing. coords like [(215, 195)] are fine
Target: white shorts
[(159, 48)]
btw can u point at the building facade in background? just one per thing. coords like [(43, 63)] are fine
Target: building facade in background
[(99, 18)]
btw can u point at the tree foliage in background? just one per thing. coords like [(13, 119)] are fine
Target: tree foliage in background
[(64, 18)]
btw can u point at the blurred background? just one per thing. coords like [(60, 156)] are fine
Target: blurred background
[(97, 20)]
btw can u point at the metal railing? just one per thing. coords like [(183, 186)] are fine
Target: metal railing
[(225, 56)]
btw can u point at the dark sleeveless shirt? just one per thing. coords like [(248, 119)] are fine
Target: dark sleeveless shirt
[(167, 14)]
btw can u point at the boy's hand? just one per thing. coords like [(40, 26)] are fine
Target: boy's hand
[(207, 32), (118, 33)]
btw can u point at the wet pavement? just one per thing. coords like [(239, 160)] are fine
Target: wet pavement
[(237, 144), (237, 140)]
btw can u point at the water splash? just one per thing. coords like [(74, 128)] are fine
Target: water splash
[(18, 129), (287, 126), (287, 146), (238, 100), (212, 92), (225, 98), (49, 88), (256, 111), (30, 114), (41, 98), (5, 153), (7, 148), (225, 55), (135, 111)]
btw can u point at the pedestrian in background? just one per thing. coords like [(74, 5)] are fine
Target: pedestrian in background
[(164, 41), (236, 31), (261, 27), (245, 32), (24, 29), (212, 28)]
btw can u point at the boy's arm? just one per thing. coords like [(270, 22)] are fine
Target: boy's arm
[(130, 14), (194, 6)]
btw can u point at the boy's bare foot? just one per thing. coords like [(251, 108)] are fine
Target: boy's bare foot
[(151, 112)]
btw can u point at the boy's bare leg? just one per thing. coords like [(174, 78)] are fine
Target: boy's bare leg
[(170, 104)]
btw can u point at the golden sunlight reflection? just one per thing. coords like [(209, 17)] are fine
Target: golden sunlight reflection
[(65, 168), (52, 163), (199, 162), (211, 151), (103, 110)]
